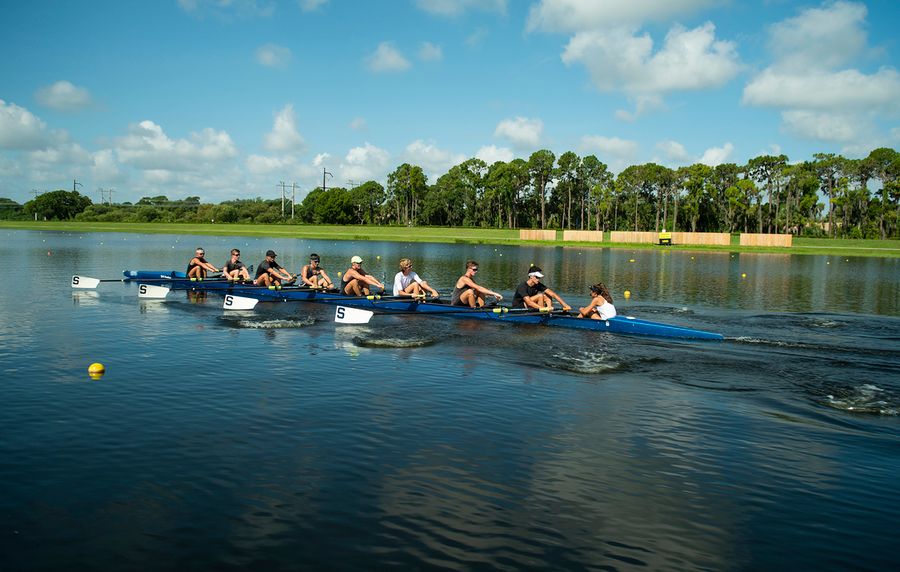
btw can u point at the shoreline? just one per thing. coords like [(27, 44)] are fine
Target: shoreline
[(802, 246)]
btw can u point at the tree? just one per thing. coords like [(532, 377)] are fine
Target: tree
[(406, 186), (57, 205), (540, 167), (767, 169)]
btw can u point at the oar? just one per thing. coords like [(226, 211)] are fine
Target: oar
[(233, 302), (348, 315)]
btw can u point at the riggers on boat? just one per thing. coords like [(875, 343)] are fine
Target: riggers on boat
[(404, 305)]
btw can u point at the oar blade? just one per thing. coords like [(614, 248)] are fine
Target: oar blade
[(85, 282), (233, 302), (347, 315), (151, 292)]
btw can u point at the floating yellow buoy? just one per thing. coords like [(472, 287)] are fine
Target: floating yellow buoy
[(627, 294), (632, 260), (378, 258), (339, 273), (743, 274), (96, 370), (692, 257)]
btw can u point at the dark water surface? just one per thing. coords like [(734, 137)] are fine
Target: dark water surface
[(278, 440)]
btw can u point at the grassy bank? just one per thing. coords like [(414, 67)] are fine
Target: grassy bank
[(836, 247)]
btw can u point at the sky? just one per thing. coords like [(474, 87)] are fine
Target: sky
[(226, 99)]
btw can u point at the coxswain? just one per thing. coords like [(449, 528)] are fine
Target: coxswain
[(532, 293), (467, 292), (234, 269), (601, 305), (270, 273), (408, 283), (314, 275), (356, 282), (197, 267)]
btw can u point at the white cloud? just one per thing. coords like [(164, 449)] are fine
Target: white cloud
[(105, 168), (490, 154), (284, 137), (148, 147), (358, 124), (580, 15), (365, 163), (20, 129), (819, 98), (229, 9), (674, 151), (429, 52), (688, 60), (521, 131), (265, 165), (64, 96), (273, 56), (311, 5), (320, 159), (715, 156), (457, 7), (386, 59), (618, 153), (432, 159), (643, 104), (476, 38)]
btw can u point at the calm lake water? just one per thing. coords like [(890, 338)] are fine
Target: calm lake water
[(278, 440)]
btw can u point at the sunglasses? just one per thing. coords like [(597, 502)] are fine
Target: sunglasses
[(474, 270)]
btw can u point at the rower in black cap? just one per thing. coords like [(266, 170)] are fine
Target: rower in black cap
[(270, 273)]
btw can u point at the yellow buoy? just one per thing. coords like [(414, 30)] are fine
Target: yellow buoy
[(339, 273), (632, 260), (96, 370), (743, 274), (627, 294), (378, 258)]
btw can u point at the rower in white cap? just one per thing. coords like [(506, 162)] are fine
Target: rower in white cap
[(532, 293), (356, 282)]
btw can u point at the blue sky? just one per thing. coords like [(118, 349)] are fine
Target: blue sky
[(226, 98)]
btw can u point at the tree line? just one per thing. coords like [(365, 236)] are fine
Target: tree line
[(768, 194)]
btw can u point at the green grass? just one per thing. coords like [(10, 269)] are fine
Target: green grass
[(821, 246)]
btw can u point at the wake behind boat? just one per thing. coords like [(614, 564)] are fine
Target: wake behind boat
[(406, 305)]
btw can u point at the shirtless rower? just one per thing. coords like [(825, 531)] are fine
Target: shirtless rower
[(314, 275), (198, 266), (234, 269), (356, 282), (532, 293), (270, 273), (468, 292), (408, 283)]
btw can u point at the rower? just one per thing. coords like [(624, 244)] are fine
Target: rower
[(314, 275), (532, 293), (408, 283), (198, 266), (234, 269), (270, 273), (356, 281), (468, 292), (601, 304)]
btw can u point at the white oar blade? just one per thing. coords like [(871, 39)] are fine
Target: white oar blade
[(239, 303), (149, 291), (85, 282), (345, 315)]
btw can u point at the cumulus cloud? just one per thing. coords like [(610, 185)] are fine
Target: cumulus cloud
[(105, 168), (715, 156), (266, 165), (674, 151), (20, 129), (819, 97), (429, 52), (578, 15), (490, 154), (312, 5), (617, 152), (432, 159), (284, 137), (146, 146), (521, 131), (320, 159), (64, 96), (458, 7), (386, 59), (365, 163), (273, 56)]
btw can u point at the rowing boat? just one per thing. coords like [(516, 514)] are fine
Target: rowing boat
[(406, 305)]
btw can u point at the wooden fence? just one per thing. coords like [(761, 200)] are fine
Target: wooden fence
[(781, 240), (526, 234), (583, 235), (632, 236), (715, 238)]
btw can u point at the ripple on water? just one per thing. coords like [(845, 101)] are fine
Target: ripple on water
[(394, 342), (270, 324), (585, 362), (864, 399)]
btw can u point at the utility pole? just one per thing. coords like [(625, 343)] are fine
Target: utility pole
[(75, 184), (293, 197), (324, 172), (109, 194), (35, 193), (282, 185)]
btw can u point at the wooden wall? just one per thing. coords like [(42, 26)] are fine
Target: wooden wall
[(716, 238), (583, 235), (782, 240), (630, 236), (529, 234)]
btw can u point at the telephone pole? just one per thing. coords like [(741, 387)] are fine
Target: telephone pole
[(282, 185), (324, 172), (75, 184), (293, 197)]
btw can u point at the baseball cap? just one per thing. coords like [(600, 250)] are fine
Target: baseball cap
[(356, 260), (271, 253), (535, 271), (314, 257)]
